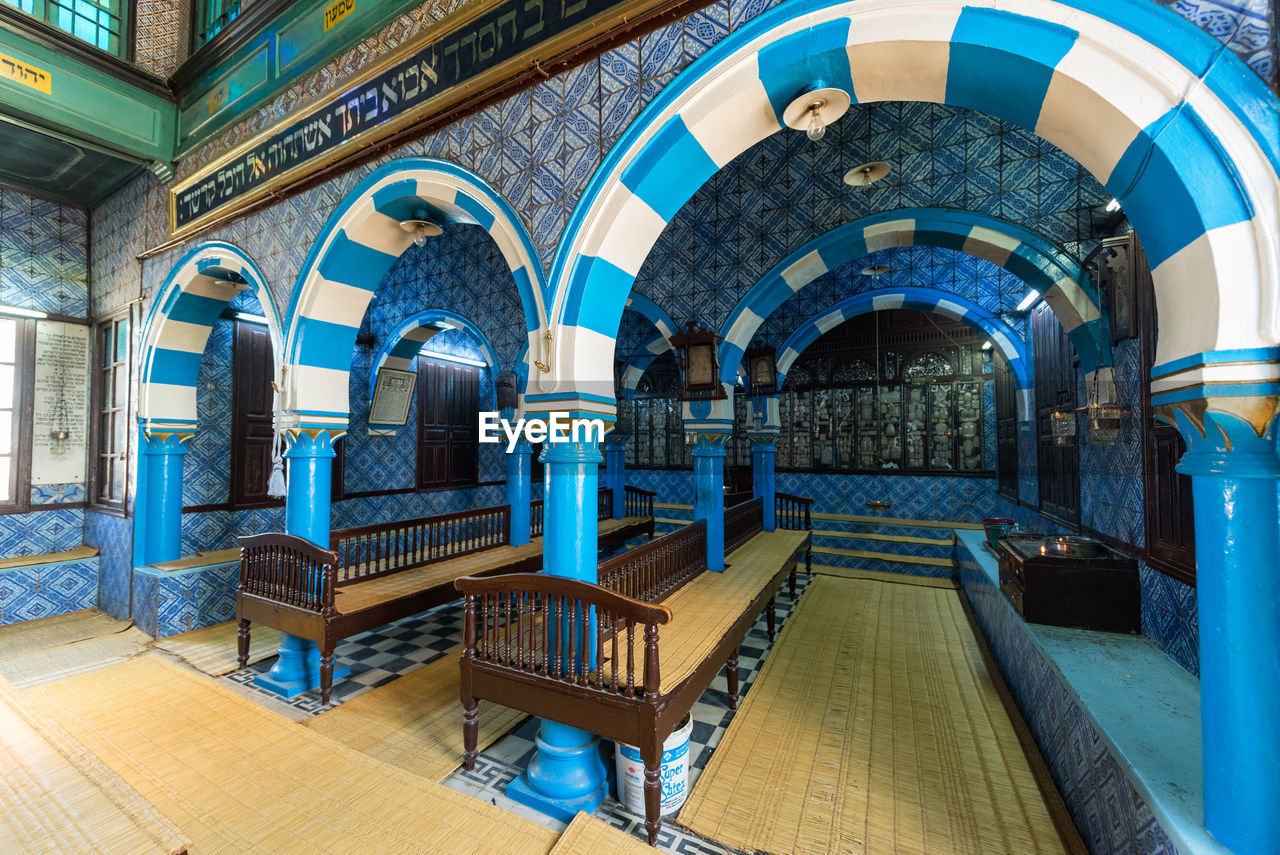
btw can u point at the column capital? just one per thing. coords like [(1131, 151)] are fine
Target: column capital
[(522, 446), (571, 452), (708, 443), (1228, 435), (616, 441), (313, 442), (764, 441), (165, 442)]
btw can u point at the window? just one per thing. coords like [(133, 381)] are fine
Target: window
[(11, 403), (102, 23), (448, 430), (109, 478), (209, 19)]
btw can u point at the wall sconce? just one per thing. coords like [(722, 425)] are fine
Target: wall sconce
[(1104, 422), (696, 353), (1064, 426), (762, 369)]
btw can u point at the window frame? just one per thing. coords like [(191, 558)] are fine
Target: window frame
[(114, 507), (23, 392)]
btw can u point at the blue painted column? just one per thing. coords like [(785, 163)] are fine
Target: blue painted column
[(519, 490), (1234, 468), (566, 774), (764, 449), (708, 491), (615, 460), (309, 463), (164, 453)]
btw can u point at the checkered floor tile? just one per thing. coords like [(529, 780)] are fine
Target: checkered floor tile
[(377, 657)]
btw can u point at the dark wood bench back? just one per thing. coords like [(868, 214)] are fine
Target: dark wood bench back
[(742, 522), (639, 501), (365, 552), (288, 569), (509, 623), (655, 570), (793, 512)]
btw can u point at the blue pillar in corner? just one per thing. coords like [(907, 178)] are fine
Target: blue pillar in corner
[(519, 490), (1234, 470), (566, 774), (764, 448), (164, 453), (615, 461), (708, 497), (309, 461)]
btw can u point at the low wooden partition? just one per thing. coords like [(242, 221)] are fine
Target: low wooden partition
[(375, 550), (793, 512), (612, 682)]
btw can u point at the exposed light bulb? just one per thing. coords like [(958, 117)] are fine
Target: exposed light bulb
[(421, 239), (1113, 206), (817, 127)]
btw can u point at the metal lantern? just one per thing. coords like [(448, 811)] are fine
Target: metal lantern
[(762, 370), (507, 390), (1064, 426), (695, 348), (1104, 422)]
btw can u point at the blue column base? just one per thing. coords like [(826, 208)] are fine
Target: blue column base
[(297, 669), (562, 781)]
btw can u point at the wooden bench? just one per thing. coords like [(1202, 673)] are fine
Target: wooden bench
[(611, 683), (373, 575)]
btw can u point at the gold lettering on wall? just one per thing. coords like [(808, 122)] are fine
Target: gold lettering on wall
[(26, 74), (336, 11)]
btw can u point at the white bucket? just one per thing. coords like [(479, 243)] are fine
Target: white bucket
[(675, 771)]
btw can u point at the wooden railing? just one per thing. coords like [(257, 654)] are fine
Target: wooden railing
[(793, 512), (604, 504), (535, 518), (529, 622), (375, 550), (741, 522), (639, 502), (658, 568), (737, 498), (288, 569)]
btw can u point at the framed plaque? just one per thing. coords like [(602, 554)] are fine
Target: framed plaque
[(392, 397)]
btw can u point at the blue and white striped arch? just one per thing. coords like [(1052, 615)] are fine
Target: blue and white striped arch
[(1037, 261), (406, 342), (654, 347), (1176, 127), (1002, 337), (177, 328), (353, 252)]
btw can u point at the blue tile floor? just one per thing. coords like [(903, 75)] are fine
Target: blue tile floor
[(378, 657)]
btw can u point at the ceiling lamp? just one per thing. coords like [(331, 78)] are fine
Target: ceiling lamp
[(866, 174), (813, 110), (1033, 296), (421, 228), (875, 271)]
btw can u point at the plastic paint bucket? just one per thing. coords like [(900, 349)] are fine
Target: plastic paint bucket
[(674, 774)]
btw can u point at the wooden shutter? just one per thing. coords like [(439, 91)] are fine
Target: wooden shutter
[(1059, 465), (251, 423)]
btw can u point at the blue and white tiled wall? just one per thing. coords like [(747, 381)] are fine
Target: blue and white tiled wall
[(168, 603), (31, 592)]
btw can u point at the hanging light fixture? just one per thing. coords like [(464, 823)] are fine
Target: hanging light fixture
[(695, 350), (421, 227), (866, 174), (875, 271), (762, 369), (811, 111), (1063, 423)]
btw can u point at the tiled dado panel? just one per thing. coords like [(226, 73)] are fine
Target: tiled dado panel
[(167, 603), (921, 497), (1108, 811), (671, 485), (41, 532), (27, 593), (114, 538)]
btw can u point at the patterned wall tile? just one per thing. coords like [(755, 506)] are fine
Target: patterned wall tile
[(27, 593), (113, 536)]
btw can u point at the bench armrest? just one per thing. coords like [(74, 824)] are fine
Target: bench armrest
[(288, 569)]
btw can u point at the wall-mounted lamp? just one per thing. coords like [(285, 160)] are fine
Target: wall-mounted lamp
[(986, 345), (1113, 206), (449, 357), (249, 318), (1028, 301), (22, 313), (421, 227), (811, 111), (695, 350), (762, 369)]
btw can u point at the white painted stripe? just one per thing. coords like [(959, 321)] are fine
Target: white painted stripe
[(744, 327), (804, 270), (890, 234), (215, 289), (323, 389), (733, 115), (397, 362), (168, 402), (421, 334), (333, 302), (830, 321), (1063, 309), (887, 301), (789, 356), (632, 376), (366, 226), (635, 227), (990, 245), (667, 331), (1024, 405), (658, 346), (955, 310), (879, 51), (586, 356), (1006, 346), (182, 336)]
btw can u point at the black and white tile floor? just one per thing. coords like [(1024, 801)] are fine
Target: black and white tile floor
[(378, 657)]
